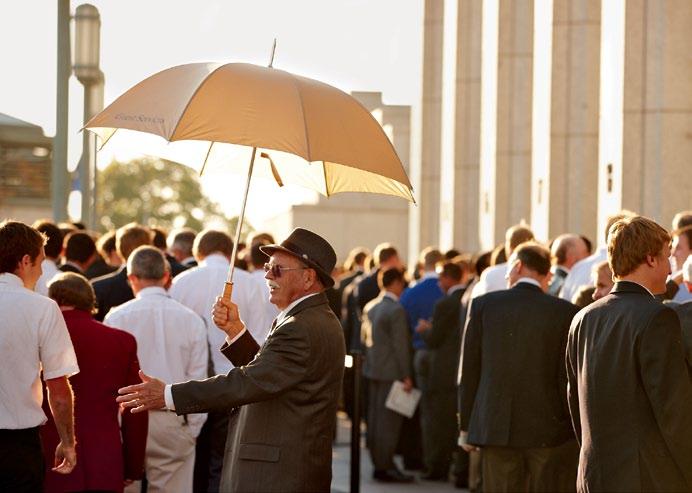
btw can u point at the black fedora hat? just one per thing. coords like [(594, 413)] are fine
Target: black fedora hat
[(311, 249)]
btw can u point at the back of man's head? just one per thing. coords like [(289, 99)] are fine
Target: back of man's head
[(257, 257), (631, 240), (534, 256), (180, 242), (429, 258), (79, 247), (147, 263), (54, 244), (158, 238), (451, 270), (356, 259), (387, 277), (515, 236), (72, 289), (261, 237), (212, 241), (129, 237), (682, 219), (384, 254), (106, 244), (16, 240), (568, 249), (615, 218)]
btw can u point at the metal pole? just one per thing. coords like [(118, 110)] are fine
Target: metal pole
[(355, 422), (85, 163), (228, 288), (59, 179)]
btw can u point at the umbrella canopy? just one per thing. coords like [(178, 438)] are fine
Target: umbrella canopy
[(313, 134)]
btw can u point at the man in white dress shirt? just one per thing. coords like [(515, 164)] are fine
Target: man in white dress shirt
[(580, 274), (495, 278), (197, 289), (33, 339), (53, 247), (257, 260), (171, 341)]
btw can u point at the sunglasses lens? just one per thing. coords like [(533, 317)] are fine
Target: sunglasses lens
[(275, 269)]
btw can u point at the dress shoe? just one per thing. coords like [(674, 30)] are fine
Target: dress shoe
[(392, 476), (434, 476)]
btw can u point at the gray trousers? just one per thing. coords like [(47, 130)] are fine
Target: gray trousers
[(421, 367), (384, 426)]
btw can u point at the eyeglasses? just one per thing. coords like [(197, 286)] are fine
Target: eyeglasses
[(276, 269)]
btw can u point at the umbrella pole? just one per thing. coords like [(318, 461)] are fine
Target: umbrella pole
[(228, 287)]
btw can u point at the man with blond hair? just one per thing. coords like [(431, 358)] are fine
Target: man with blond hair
[(629, 390)]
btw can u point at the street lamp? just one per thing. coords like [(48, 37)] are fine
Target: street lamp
[(86, 69)]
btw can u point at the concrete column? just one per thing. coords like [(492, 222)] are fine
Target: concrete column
[(424, 220), (565, 182), (657, 108), (506, 136), (460, 154)]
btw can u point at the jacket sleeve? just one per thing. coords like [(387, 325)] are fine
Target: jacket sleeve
[(401, 341), (667, 384), (470, 364), (571, 365), (445, 319), (281, 364), (242, 351), (134, 427)]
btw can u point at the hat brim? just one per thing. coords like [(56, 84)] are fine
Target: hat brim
[(325, 278)]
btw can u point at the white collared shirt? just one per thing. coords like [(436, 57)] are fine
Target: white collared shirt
[(283, 313), (33, 336), (492, 279), (269, 311), (580, 274), (49, 268), (197, 289), (391, 296), (171, 339)]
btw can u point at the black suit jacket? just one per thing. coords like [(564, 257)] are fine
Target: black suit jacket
[(70, 268), (444, 342), (513, 380), (282, 440), (630, 394), (111, 290)]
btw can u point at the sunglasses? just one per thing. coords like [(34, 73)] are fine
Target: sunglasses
[(276, 269)]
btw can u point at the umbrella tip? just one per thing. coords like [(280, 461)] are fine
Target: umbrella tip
[(271, 58)]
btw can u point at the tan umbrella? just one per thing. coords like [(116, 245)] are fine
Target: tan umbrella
[(219, 115)]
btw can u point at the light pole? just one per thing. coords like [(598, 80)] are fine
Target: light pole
[(86, 69), (59, 178)]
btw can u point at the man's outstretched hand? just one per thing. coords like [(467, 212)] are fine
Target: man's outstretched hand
[(144, 396)]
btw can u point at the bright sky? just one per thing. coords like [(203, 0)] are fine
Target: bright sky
[(361, 45)]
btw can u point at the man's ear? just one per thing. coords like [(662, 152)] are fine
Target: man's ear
[(650, 260)]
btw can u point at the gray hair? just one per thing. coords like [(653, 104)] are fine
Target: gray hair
[(147, 262)]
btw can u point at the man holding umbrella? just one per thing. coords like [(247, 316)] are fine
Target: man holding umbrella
[(288, 393)]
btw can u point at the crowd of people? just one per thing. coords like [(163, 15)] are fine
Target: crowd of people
[(542, 367)]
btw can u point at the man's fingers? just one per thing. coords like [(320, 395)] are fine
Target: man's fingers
[(145, 378), (131, 389)]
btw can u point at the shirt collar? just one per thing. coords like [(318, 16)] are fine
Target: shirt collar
[(529, 280), (283, 313), (390, 295), (11, 280), (429, 275), (454, 288), (214, 259), (555, 268), (151, 291)]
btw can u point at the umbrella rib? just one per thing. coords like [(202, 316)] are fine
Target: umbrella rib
[(326, 183), (189, 102), (305, 122), (204, 164)]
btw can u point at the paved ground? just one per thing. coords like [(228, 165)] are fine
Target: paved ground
[(341, 468)]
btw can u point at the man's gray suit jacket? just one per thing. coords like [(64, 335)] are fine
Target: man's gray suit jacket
[(387, 340), (282, 438)]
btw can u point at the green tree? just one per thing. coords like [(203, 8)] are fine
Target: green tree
[(155, 192)]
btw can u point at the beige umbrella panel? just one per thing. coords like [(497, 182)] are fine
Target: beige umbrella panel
[(202, 111)]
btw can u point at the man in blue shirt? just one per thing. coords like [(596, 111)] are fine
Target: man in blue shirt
[(419, 301)]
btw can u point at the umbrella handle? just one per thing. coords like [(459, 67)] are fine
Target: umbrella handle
[(227, 290)]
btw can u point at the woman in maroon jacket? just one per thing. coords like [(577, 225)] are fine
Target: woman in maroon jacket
[(109, 455)]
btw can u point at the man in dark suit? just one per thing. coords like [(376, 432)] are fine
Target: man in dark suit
[(512, 398), (282, 438), (113, 289), (630, 394), (388, 359), (443, 338), (79, 252), (110, 452)]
